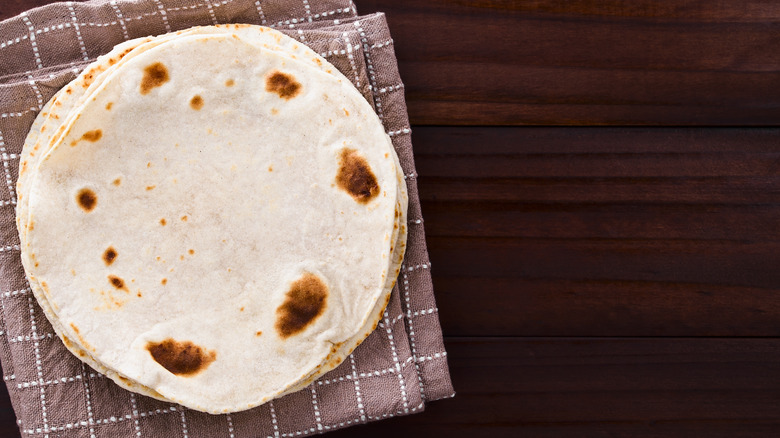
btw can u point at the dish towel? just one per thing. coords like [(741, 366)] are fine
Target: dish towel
[(397, 369)]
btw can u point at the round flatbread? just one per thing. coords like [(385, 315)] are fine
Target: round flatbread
[(255, 186)]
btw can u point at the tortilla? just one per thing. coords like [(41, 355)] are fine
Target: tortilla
[(77, 156)]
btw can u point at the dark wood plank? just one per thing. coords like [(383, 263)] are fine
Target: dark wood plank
[(575, 387), (603, 231), (8, 427), (10, 8), (586, 62)]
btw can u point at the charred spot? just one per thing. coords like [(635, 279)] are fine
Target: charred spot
[(258, 333), (164, 281), (196, 102), (154, 76), (355, 176), (230, 83), (192, 251), (162, 222), (181, 358), (86, 199), (109, 105), (282, 84), (303, 303), (94, 135), (109, 255), (150, 188), (116, 282), (117, 181), (184, 218)]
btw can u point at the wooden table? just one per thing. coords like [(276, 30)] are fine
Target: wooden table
[(601, 190)]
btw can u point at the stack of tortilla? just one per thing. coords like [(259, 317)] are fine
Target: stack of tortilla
[(213, 217)]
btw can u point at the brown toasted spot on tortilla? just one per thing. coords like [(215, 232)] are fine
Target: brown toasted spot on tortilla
[(86, 199), (191, 251), (184, 218), (109, 255), (241, 309), (274, 111), (304, 302), (164, 281), (230, 83), (345, 111), (92, 136), (31, 226), (68, 90), (355, 176), (196, 102), (258, 333), (117, 282), (181, 257), (162, 222), (283, 84), (150, 187), (181, 358), (154, 76), (149, 164), (109, 105), (139, 294), (270, 168), (117, 181)]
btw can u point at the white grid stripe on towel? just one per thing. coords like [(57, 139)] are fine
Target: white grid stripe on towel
[(32, 38), (119, 17), (163, 14), (77, 28), (38, 365)]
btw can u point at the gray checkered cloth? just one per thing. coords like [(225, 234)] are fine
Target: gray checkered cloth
[(395, 371)]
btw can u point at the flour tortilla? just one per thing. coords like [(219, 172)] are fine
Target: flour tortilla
[(320, 364), (265, 34), (249, 31)]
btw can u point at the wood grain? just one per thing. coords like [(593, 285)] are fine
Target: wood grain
[(556, 62), (603, 231), (575, 387)]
